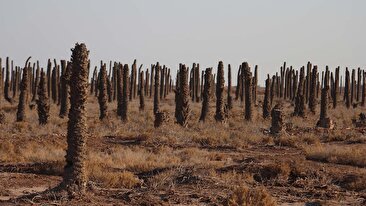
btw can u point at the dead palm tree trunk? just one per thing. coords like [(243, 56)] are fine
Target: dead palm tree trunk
[(65, 88), (206, 94), (36, 83), (156, 88), (74, 178), (141, 92), (312, 92), (119, 89), (125, 94), (229, 98), (347, 90), (220, 115), (7, 83), (102, 96), (183, 98), (266, 101), (300, 98), (23, 93), (42, 101)]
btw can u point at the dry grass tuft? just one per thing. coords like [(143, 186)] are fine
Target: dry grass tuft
[(112, 179), (243, 196), (30, 152), (352, 182), (355, 156), (279, 171), (297, 141)]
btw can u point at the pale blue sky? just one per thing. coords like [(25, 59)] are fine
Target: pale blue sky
[(326, 32)]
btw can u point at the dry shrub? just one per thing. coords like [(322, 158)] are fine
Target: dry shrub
[(344, 135), (100, 174), (288, 141), (116, 167), (134, 159), (8, 152), (243, 196), (275, 171), (338, 154), (352, 182), (34, 152), (297, 141), (30, 152)]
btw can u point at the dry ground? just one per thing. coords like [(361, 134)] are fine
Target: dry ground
[(204, 164)]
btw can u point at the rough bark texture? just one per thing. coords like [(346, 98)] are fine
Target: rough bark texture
[(273, 86), (266, 101), (277, 126), (15, 79), (132, 80), (229, 98), (162, 82), (347, 90), (295, 84), (197, 82), (282, 80), (156, 88), (192, 82), (36, 83), (336, 88), (58, 85), (325, 121), (42, 101), (135, 81), (160, 118), (102, 96), (183, 98), (119, 89), (147, 78), (358, 84), (141, 92), (54, 84), (242, 81), (152, 85), (96, 80), (23, 94), (74, 176), (109, 90), (49, 71), (363, 89), (300, 98), (353, 86), (312, 92), (308, 82), (65, 88), (7, 83), (254, 85), (238, 84), (125, 94), (248, 93), (114, 81), (1, 77), (220, 115), (206, 95)]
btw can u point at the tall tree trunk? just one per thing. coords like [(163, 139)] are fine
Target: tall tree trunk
[(102, 96), (220, 115), (23, 94), (206, 95), (74, 176), (42, 101)]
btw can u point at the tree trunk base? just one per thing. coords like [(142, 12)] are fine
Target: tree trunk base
[(326, 123)]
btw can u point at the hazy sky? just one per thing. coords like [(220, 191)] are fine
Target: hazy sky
[(266, 33)]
